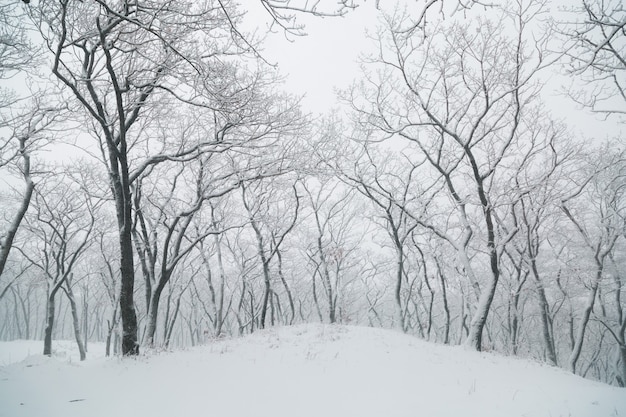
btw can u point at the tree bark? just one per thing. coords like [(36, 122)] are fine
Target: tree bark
[(50, 313), (7, 243), (75, 321), (153, 315), (544, 314), (474, 339), (446, 309), (287, 289), (123, 203)]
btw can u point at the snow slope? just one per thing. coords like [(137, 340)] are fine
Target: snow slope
[(312, 370)]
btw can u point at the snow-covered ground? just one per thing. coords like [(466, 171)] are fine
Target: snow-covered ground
[(64, 350), (312, 370)]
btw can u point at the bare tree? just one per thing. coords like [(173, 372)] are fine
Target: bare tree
[(62, 229), (532, 216), (17, 51), (216, 281), (167, 229), (269, 229), (27, 126), (388, 187), (462, 93), (594, 33), (23, 117), (603, 185), (109, 278), (333, 238), (122, 63)]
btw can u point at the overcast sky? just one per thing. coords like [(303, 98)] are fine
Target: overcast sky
[(323, 59), (327, 58)]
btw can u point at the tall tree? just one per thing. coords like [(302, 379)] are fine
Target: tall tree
[(391, 189), (169, 225), (269, 230), (123, 62), (331, 239), (24, 118), (61, 228), (463, 93), (130, 62), (602, 184)]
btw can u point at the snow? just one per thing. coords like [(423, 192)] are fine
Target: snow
[(308, 370), (18, 350)]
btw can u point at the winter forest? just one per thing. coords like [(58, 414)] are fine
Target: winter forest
[(161, 187)]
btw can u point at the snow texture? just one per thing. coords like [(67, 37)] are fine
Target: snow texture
[(308, 370)]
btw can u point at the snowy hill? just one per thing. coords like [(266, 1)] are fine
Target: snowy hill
[(312, 370)]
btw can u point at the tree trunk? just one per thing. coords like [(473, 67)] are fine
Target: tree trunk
[(287, 289), (153, 315), (599, 258), (86, 316), (546, 324), (50, 313), (76, 322), (474, 339), (17, 324), (622, 352), (266, 272), (267, 288), (111, 331), (130, 345), (7, 242), (397, 291), (108, 339), (123, 204), (582, 326), (315, 298), (219, 307), (446, 309), (430, 307), (170, 326), (463, 330), (544, 308), (252, 311)]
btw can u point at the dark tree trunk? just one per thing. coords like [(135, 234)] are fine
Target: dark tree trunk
[(130, 345), (475, 337), (153, 315), (123, 204), (50, 312), (267, 287)]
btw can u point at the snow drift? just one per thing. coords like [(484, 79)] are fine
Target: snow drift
[(310, 370)]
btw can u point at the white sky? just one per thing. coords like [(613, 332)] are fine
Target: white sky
[(327, 58)]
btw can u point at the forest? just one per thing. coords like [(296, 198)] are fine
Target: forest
[(441, 197)]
